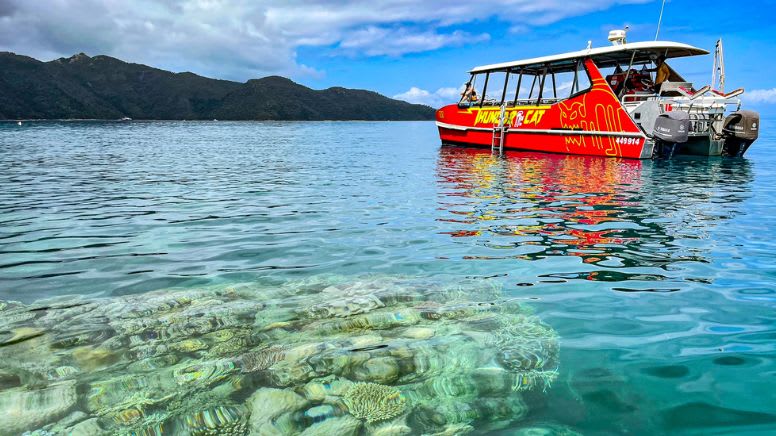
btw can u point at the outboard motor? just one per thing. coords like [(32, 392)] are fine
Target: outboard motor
[(740, 129), (671, 128)]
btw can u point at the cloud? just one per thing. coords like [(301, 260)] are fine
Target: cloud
[(439, 98), (564, 86), (518, 29), (242, 39), (203, 36), (444, 96), (760, 96), (7, 8), (375, 41)]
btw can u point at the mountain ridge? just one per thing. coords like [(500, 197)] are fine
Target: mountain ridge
[(104, 87)]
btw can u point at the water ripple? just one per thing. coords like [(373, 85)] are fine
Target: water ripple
[(659, 276)]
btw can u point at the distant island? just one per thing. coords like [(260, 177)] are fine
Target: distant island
[(102, 87)]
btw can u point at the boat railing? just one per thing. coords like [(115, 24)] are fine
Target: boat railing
[(634, 98), (511, 103), (681, 101)]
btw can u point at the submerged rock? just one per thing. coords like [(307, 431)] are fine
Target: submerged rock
[(383, 370), (343, 307), (321, 389), (341, 426), (418, 333), (22, 410), (271, 411), (9, 380), (205, 373), (394, 427), (89, 427), (89, 358)]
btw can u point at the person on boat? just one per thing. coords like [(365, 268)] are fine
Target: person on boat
[(662, 72), (469, 94)]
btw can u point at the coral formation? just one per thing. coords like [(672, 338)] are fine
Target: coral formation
[(374, 402), (261, 359), (219, 420), (323, 355)]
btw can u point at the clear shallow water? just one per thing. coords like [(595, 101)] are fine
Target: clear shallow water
[(659, 277)]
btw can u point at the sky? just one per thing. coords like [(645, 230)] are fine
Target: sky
[(417, 51)]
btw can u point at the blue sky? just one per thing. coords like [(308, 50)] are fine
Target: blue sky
[(418, 51)]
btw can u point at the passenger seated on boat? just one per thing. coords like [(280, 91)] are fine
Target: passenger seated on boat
[(469, 94)]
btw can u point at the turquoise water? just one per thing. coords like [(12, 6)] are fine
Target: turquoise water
[(658, 277)]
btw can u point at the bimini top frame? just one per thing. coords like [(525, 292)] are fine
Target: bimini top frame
[(635, 53)]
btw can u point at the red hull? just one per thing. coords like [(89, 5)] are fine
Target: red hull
[(590, 123)]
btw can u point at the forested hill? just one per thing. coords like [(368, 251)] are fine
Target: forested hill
[(103, 87)]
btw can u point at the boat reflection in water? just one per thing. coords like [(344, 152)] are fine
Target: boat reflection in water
[(589, 218)]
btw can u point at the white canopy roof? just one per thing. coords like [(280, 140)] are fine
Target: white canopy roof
[(605, 56)]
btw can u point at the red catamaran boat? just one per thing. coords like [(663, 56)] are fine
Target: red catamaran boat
[(565, 104)]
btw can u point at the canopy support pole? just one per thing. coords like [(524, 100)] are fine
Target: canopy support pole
[(627, 76), (519, 82), (484, 88)]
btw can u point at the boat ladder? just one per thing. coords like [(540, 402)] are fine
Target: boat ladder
[(499, 133)]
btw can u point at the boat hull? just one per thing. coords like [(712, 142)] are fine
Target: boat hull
[(700, 146), (556, 142)]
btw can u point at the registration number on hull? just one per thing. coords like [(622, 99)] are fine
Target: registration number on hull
[(627, 141)]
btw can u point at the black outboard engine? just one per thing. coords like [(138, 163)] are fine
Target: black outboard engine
[(671, 128), (740, 130)]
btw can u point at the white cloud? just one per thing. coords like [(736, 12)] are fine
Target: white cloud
[(437, 99), (564, 86), (375, 41), (518, 29), (241, 39), (760, 96)]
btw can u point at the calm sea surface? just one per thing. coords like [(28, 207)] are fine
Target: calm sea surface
[(658, 277)]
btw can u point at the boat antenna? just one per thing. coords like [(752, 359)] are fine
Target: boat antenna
[(718, 71), (660, 20)]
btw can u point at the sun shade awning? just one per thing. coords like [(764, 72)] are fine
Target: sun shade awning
[(604, 57)]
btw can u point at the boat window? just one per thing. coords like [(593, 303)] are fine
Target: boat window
[(495, 90), (471, 90), (581, 81), (514, 80), (536, 80), (549, 91), (523, 88), (542, 81), (563, 83)]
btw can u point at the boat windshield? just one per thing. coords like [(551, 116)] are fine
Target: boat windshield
[(535, 85)]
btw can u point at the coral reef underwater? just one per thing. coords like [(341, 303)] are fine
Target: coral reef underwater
[(327, 355)]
